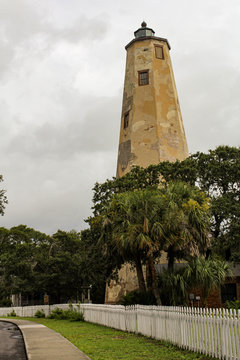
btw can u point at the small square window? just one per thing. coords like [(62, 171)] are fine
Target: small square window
[(126, 120), (159, 52), (143, 77)]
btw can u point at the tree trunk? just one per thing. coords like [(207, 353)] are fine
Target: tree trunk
[(141, 281), (170, 258), (154, 278), (149, 277)]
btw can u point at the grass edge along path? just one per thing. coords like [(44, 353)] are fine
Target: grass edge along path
[(103, 343)]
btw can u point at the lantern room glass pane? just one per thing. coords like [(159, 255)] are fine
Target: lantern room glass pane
[(149, 33)]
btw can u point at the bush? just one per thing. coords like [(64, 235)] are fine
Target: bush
[(39, 314), (74, 315), (12, 314), (233, 304), (56, 314), (138, 297), (5, 302), (70, 314)]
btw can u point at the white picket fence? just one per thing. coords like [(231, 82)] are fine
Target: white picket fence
[(214, 332), (29, 311)]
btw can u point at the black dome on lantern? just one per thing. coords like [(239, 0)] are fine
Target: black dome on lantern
[(144, 31)]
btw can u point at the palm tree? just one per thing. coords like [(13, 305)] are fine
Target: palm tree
[(199, 272), (173, 287), (174, 218), (136, 229), (185, 221), (206, 274)]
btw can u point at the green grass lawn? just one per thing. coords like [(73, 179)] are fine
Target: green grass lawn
[(102, 343)]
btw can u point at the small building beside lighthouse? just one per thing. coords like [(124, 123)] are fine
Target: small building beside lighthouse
[(151, 123)]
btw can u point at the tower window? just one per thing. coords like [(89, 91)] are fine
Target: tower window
[(159, 52), (143, 77), (126, 120)]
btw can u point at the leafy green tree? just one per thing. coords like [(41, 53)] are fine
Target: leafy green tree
[(18, 259), (216, 172), (232, 241), (219, 176), (32, 263), (100, 260), (58, 271)]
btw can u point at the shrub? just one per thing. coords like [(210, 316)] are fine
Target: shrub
[(12, 314), (39, 314), (70, 314), (56, 314), (5, 302), (74, 315), (233, 304), (138, 297)]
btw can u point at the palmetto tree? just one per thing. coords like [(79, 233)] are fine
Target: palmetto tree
[(207, 274), (185, 222), (136, 229), (173, 218), (198, 273)]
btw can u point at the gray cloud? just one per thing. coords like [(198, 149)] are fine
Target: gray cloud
[(19, 21), (79, 133), (23, 25), (83, 29), (210, 105), (62, 71)]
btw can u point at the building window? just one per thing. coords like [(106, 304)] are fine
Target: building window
[(228, 292), (143, 77), (126, 120), (159, 52)]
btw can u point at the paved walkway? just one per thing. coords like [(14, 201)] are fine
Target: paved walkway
[(43, 343), (11, 342)]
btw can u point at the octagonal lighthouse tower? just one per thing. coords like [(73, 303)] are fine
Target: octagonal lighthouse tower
[(151, 125)]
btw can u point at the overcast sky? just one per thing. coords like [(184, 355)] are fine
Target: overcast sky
[(62, 66)]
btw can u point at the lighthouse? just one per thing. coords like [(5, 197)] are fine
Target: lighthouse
[(151, 128), (151, 123)]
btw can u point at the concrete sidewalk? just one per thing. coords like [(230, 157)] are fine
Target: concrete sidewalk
[(43, 343)]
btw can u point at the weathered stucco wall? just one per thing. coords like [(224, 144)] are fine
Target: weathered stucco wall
[(155, 132), (127, 281)]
